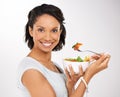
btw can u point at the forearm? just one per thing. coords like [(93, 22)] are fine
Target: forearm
[(80, 90), (70, 91)]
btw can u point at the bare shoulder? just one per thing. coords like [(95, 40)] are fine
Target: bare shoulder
[(37, 84)]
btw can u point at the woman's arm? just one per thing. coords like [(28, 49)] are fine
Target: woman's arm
[(36, 84)]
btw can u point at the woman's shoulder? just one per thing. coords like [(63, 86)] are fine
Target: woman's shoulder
[(27, 60), (29, 63)]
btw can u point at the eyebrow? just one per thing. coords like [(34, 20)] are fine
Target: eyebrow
[(40, 26), (44, 27)]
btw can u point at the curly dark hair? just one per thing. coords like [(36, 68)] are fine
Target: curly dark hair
[(38, 11)]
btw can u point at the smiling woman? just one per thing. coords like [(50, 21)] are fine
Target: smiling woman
[(49, 12), (38, 75), (46, 32)]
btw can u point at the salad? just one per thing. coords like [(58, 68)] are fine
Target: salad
[(79, 59)]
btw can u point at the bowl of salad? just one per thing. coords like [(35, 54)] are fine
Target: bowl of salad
[(76, 63)]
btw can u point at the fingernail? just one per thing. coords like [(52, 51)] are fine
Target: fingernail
[(70, 66), (107, 54)]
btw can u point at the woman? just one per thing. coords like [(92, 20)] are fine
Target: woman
[(38, 76)]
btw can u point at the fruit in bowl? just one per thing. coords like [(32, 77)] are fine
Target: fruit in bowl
[(76, 62)]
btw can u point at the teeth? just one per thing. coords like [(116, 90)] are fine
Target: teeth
[(47, 44)]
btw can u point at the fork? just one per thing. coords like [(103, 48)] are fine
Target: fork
[(89, 51)]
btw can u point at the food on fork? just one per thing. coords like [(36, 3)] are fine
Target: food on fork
[(76, 46)]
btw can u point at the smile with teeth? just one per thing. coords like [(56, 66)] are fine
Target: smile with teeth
[(47, 44)]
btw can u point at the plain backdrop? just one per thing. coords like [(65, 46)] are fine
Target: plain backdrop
[(95, 23)]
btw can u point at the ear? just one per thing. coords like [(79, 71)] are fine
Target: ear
[(30, 31)]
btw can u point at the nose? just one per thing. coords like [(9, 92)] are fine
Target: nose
[(47, 36)]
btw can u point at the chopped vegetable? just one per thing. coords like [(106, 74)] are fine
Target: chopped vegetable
[(79, 59), (87, 58), (76, 46)]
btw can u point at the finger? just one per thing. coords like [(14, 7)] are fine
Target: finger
[(107, 60), (67, 74), (96, 57), (105, 63), (71, 70), (108, 56), (101, 59), (80, 71)]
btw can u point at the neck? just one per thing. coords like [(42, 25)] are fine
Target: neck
[(40, 55)]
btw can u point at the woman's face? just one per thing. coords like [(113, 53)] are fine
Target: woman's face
[(45, 32)]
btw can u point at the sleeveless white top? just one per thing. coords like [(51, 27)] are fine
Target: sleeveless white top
[(56, 80)]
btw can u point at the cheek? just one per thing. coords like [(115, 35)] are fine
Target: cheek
[(57, 37), (36, 36)]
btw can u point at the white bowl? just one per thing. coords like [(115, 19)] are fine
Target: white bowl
[(75, 65)]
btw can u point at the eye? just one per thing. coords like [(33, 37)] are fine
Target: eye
[(55, 30), (40, 30)]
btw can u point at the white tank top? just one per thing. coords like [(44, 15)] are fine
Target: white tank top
[(56, 80)]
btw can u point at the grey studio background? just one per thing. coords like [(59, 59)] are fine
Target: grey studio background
[(95, 23)]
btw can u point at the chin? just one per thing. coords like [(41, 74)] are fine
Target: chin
[(47, 50)]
